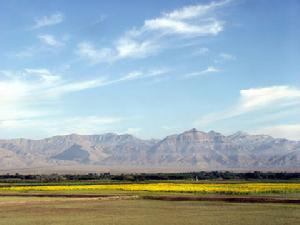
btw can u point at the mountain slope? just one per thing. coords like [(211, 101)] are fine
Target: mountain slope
[(191, 149)]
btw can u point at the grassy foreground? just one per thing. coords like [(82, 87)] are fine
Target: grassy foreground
[(117, 209), (44, 211)]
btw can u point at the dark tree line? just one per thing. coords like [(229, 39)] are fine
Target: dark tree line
[(143, 177)]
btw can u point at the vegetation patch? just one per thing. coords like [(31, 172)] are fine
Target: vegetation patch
[(205, 188)]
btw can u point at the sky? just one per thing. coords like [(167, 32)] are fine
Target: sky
[(149, 68)]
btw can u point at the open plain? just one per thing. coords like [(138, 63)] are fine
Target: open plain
[(152, 203)]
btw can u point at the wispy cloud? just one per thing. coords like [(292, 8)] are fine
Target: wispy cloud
[(22, 92), (194, 21), (223, 57), (45, 21), (124, 48), (181, 21), (289, 131), (27, 98), (50, 40), (208, 70), (255, 99), (195, 11), (94, 55)]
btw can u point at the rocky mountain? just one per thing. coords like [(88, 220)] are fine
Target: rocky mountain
[(190, 150)]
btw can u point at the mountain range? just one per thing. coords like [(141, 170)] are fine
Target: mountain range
[(188, 151)]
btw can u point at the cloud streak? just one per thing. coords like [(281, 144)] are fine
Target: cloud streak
[(22, 92), (50, 40), (27, 98), (289, 131), (194, 21), (208, 70), (46, 21), (255, 99)]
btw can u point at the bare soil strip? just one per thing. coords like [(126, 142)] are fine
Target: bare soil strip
[(225, 199), (250, 199), (99, 196), (55, 195)]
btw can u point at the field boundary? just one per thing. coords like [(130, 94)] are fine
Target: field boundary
[(251, 199), (224, 199), (99, 196)]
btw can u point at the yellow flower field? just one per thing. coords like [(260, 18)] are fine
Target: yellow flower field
[(242, 188)]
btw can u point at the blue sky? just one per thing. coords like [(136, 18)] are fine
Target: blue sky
[(149, 68)]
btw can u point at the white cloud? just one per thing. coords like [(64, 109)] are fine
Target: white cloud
[(43, 74), (87, 50), (127, 47), (190, 20), (158, 72), (255, 99), (50, 40), (154, 35), (23, 92), (211, 69), (194, 11), (124, 48), (65, 88), (132, 75), (172, 26), (27, 98), (289, 131), (208, 70), (28, 93), (140, 74), (48, 20)]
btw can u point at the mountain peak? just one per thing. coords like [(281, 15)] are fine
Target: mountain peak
[(214, 133), (240, 134), (193, 130)]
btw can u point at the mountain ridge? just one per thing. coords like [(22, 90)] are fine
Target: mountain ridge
[(192, 149)]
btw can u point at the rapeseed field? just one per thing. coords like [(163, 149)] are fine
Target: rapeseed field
[(218, 188)]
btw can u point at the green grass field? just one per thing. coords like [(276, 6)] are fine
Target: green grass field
[(58, 211)]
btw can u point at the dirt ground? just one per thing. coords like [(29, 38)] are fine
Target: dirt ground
[(113, 211)]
